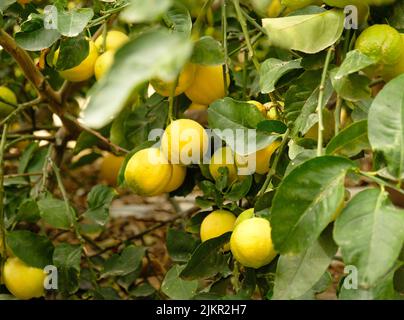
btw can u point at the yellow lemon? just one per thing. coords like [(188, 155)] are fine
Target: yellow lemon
[(223, 158), (382, 43), (274, 9), (110, 166), (184, 142), (246, 214), (8, 96), (115, 40), (85, 70), (103, 64), (185, 80), (23, 281), (197, 107), (217, 223), (251, 243), (148, 172), (208, 85), (259, 161), (177, 177), (259, 106)]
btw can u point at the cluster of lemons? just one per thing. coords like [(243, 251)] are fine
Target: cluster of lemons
[(99, 59)]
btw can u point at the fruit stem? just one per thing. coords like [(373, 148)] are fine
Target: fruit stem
[(224, 39), (243, 25), (3, 250), (320, 102), (171, 102), (338, 114)]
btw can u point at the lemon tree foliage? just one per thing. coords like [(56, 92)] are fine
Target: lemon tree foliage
[(279, 121)]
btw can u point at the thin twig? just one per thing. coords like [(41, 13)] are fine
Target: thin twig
[(20, 108), (3, 250)]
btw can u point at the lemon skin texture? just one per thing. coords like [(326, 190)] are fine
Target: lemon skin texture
[(246, 214), (261, 159), (184, 142), (103, 64), (23, 281), (223, 158), (85, 70), (148, 172), (217, 223), (8, 96), (274, 9), (251, 243), (110, 167), (208, 85), (115, 40), (185, 80), (177, 177), (390, 72), (382, 43)]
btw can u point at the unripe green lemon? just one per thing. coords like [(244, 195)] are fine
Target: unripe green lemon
[(390, 72), (223, 158), (8, 96), (23, 281), (148, 172), (251, 243), (217, 223)]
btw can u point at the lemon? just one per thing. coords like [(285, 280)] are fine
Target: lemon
[(274, 9), (197, 107), (223, 158), (246, 214), (390, 72), (115, 40), (298, 4), (83, 71), (217, 223), (184, 142), (329, 127), (103, 64), (208, 85), (23, 281), (261, 108), (259, 161), (251, 243), (177, 177), (148, 172), (185, 80), (382, 43), (8, 96), (110, 167)]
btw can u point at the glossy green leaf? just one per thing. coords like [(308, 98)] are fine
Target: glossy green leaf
[(207, 51), (125, 263), (155, 54), (350, 141), (53, 211), (273, 69), (354, 87), (180, 245), (305, 202), (175, 287), (99, 200), (71, 23), (178, 19), (385, 125), (307, 33), (370, 233), (143, 11), (296, 274), (236, 119), (354, 62), (72, 52)]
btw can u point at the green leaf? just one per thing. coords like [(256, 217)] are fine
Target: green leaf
[(33, 249), (67, 256), (84, 160), (385, 125), (274, 69), (34, 37), (237, 118), (28, 211), (5, 4), (27, 156), (354, 87), (305, 202), (178, 19), (354, 62), (99, 200), (307, 33), (180, 245), (54, 212), (207, 260), (296, 274), (207, 51), (144, 11), (120, 265), (175, 287), (142, 290), (370, 233), (350, 141), (72, 52), (272, 126), (239, 189), (71, 23), (154, 54)]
